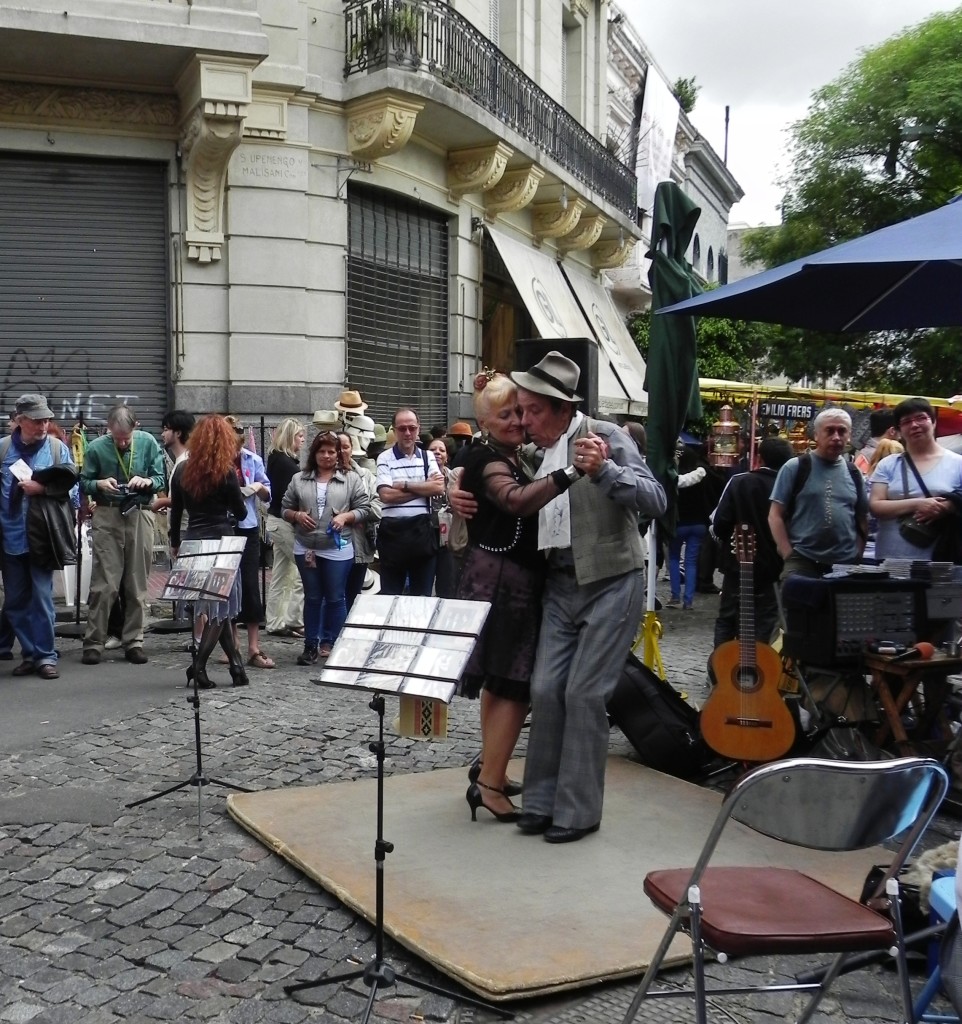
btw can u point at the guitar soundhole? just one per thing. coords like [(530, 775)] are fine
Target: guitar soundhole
[(746, 679)]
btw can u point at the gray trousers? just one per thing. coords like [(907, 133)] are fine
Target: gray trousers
[(121, 548), (586, 633)]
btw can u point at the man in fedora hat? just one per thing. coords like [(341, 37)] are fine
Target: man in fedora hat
[(28, 587), (592, 600)]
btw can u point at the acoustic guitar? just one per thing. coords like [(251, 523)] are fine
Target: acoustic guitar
[(745, 717)]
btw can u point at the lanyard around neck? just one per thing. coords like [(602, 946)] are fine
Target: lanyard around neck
[(130, 459)]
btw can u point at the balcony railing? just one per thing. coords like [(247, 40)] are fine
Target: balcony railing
[(428, 36)]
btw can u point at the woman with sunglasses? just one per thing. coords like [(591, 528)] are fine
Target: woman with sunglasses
[(326, 505)]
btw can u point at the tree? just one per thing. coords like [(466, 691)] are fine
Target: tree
[(686, 91), (727, 349), (881, 143)]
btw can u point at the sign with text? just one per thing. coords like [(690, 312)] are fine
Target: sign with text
[(787, 410)]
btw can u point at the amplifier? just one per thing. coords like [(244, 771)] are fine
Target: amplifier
[(828, 622)]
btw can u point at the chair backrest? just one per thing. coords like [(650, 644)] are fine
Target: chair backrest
[(839, 805)]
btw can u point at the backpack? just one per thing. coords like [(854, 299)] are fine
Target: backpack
[(805, 471)]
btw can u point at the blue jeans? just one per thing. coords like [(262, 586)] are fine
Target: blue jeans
[(325, 608), (29, 607), (689, 537)]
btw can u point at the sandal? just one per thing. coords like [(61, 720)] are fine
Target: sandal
[(260, 660)]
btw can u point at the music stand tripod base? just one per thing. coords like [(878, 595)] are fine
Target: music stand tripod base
[(377, 973), (229, 547), (386, 646)]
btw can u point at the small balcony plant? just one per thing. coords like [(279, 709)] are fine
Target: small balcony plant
[(387, 28)]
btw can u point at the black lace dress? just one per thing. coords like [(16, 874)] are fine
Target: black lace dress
[(502, 565)]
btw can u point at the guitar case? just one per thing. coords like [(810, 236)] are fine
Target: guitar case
[(659, 724)]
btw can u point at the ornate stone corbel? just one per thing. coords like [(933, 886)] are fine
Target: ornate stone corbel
[(380, 124), (477, 169), (612, 253), (585, 234), (216, 94), (552, 220), (514, 191)]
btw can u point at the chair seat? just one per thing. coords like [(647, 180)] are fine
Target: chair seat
[(749, 910)]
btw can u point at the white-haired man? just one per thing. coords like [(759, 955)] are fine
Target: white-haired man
[(819, 510), (592, 601)]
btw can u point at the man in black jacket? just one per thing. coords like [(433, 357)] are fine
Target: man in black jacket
[(747, 499)]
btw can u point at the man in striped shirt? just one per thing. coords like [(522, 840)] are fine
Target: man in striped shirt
[(407, 478)]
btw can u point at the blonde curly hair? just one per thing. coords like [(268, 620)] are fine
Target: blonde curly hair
[(492, 390)]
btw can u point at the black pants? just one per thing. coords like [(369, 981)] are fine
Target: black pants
[(765, 608)]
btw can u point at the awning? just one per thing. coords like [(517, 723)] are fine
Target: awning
[(616, 342), (556, 314)]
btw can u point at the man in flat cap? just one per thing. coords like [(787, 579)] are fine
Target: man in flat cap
[(28, 587)]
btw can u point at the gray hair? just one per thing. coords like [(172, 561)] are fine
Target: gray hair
[(122, 417), (831, 414)]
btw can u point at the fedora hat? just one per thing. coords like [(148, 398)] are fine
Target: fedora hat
[(326, 418), (461, 429), (555, 376), (380, 434), (350, 401)]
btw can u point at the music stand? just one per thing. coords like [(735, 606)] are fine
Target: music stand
[(203, 568), (418, 647)]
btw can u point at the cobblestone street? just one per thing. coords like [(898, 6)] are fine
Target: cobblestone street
[(125, 915)]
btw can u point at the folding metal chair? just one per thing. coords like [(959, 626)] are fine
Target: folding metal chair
[(740, 911)]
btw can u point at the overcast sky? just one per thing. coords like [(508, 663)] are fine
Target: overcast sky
[(763, 58)]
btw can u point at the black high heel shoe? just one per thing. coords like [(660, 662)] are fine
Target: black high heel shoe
[(511, 788), (476, 800), (238, 675), (204, 682)]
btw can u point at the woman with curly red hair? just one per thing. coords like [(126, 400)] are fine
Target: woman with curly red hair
[(206, 487)]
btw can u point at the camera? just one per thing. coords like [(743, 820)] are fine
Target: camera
[(123, 489)]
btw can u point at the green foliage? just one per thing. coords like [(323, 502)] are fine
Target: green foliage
[(727, 350), (880, 144), (686, 91)]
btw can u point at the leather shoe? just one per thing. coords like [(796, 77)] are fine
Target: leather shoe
[(534, 824), (557, 834), (136, 655), (91, 656), (25, 668), (48, 672)]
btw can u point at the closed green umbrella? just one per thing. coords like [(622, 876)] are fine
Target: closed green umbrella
[(672, 377)]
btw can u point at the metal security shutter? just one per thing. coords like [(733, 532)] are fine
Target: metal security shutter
[(397, 306), (83, 286)]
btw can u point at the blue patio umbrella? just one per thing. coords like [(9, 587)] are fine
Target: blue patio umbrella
[(905, 276)]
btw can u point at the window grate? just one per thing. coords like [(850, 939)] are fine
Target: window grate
[(397, 306)]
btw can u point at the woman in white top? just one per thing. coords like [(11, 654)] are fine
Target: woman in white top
[(897, 490), (327, 506)]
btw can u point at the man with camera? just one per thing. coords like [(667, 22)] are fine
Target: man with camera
[(122, 470)]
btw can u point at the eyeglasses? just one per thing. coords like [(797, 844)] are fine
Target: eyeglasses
[(327, 435), (908, 421), (405, 430)]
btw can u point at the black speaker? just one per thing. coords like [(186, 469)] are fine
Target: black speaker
[(583, 351)]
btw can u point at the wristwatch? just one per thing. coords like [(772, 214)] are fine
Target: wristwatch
[(573, 473)]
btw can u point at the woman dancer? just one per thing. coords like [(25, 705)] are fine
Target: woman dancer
[(326, 505), (502, 565), (206, 487)]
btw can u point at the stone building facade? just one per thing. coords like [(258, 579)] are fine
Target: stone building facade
[(247, 205)]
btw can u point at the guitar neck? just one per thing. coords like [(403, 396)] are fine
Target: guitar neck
[(746, 614)]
